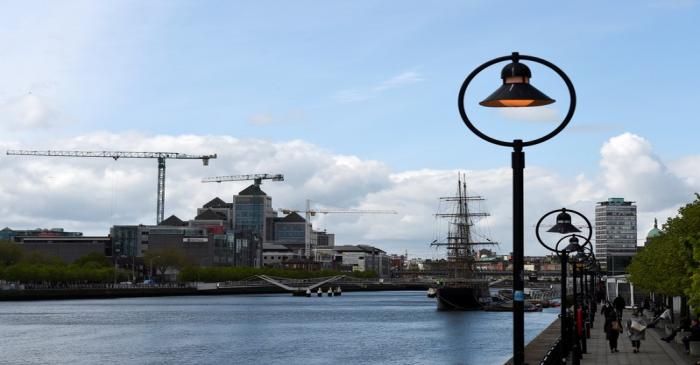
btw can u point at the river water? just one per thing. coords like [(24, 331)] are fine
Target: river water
[(356, 328)]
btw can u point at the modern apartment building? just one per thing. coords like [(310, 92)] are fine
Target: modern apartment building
[(615, 234)]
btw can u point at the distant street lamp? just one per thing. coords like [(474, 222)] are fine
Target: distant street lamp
[(150, 272), (516, 91), (563, 226), (115, 256)]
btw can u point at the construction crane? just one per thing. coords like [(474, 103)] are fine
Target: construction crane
[(257, 178), (161, 156), (308, 213)]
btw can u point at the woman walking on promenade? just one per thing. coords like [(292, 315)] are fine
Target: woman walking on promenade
[(636, 330), (612, 329)]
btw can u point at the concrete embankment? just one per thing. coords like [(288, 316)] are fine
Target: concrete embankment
[(130, 292), (538, 347)]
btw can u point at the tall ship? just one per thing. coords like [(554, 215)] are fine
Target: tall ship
[(461, 288)]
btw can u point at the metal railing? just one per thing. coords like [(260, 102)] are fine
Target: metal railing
[(553, 355)]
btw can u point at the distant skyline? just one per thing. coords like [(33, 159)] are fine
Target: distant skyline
[(355, 103)]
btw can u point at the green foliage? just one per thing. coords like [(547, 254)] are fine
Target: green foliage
[(165, 259), (10, 253), (94, 260), (668, 264), (37, 268), (95, 268)]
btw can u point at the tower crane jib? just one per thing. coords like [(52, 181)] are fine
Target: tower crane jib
[(257, 178), (160, 156)]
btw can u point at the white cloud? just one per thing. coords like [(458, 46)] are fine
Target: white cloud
[(632, 170), (361, 94), (261, 119), (90, 194), (29, 111), (405, 78), (269, 118)]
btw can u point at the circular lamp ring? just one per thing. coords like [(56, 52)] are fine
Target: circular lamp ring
[(587, 240), (514, 57)]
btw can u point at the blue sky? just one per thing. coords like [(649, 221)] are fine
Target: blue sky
[(374, 80)]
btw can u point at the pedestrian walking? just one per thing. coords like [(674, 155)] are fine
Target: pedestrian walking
[(619, 304), (606, 308), (612, 329), (636, 330)]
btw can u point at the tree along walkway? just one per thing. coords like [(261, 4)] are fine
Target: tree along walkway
[(653, 351)]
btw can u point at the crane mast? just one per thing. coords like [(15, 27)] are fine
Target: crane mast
[(160, 156)]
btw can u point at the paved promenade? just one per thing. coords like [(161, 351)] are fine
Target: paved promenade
[(653, 350)]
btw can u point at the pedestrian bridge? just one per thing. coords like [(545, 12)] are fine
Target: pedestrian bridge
[(291, 285), (280, 282)]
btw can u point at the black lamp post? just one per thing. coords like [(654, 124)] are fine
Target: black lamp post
[(563, 226), (516, 91), (582, 258)]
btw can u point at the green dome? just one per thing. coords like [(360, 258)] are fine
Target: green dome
[(654, 232)]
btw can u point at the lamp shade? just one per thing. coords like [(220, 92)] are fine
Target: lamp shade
[(516, 90), (563, 225), (573, 245)]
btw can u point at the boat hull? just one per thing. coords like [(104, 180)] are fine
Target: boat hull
[(458, 298)]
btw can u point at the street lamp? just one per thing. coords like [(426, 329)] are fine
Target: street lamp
[(150, 272), (516, 91), (115, 256), (580, 260), (563, 226)]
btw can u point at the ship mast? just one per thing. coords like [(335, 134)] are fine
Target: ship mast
[(459, 242)]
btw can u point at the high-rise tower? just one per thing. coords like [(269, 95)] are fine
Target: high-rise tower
[(615, 234)]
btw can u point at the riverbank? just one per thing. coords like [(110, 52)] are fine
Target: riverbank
[(141, 292), (540, 345)]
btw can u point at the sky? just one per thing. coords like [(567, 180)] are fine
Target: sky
[(354, 102)]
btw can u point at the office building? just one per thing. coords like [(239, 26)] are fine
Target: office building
[(615, 234)]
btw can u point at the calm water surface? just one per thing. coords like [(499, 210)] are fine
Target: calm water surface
[(356, 328)]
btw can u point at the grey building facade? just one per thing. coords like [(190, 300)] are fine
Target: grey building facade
[(615, 234)]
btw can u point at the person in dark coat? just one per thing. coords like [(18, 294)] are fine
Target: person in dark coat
[(591, 313), (612, 329), (694, 335), (683, 326), (619, 304)]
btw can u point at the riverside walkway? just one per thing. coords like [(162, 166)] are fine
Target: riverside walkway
[(653, 351)]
